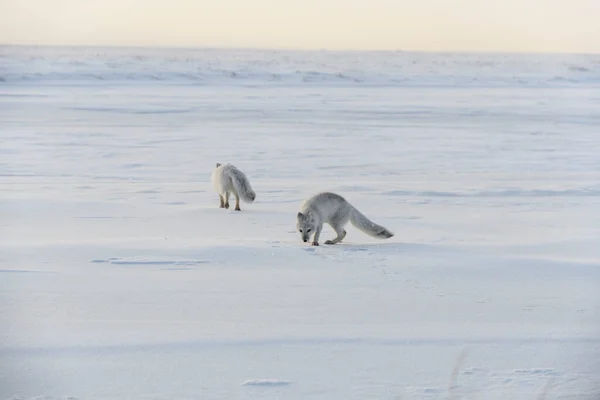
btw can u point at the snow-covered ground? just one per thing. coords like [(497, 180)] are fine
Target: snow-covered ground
[(120, 278)]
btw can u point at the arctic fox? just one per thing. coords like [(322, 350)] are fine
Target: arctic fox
[(336, 211), (227, 180)]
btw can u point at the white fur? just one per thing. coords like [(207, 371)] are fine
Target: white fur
[(228, 180), (334, 210)]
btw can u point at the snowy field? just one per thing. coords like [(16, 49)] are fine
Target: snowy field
[(120, 278)]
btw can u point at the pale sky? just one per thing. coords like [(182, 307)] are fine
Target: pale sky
[(426, 25)]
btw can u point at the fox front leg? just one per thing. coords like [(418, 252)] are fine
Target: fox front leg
[(317, 234)]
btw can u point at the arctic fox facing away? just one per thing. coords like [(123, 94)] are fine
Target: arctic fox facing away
[(228, 180), (336, 211)]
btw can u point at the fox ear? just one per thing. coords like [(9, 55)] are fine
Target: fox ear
[(218, 165), (300, 215)]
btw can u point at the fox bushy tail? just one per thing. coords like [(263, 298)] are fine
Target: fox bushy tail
[(367, 226), (241, 184)]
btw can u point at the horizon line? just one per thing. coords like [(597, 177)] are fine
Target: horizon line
[(299, 50)]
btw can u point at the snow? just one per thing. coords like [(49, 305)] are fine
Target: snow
[(120, 278), (265, 382), (207, 67)]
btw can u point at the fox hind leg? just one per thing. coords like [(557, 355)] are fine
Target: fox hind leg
[(341, 234), (337, 224), (226, 200), (221, 201), (237, 202)]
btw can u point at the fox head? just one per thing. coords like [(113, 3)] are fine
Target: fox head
[(305, 223)]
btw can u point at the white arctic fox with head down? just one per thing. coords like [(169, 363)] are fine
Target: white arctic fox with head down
[(228, 180), (334, 210)]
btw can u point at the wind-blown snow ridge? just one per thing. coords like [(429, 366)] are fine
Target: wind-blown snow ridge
[(265, 382), (500, 193), (147, 261), (266, 342), (81, 65)]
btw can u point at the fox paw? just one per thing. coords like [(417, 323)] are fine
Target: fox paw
[(315, 243), (329, 242)]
